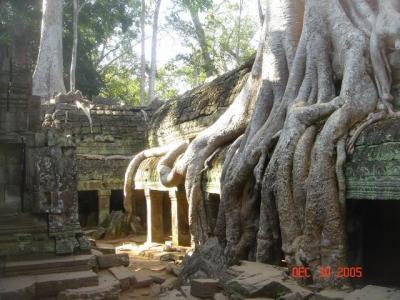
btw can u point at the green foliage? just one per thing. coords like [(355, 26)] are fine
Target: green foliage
[(102, 24), (108, 32), (220, 23), (121, 84), (16, 14)]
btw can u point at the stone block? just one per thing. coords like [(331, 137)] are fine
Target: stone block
[(171, 295), (330, 295), (372, 292), (125, 276), (51, 284), (143, 280), (204, 288), (220, 296), (113, 260), (20, 287)]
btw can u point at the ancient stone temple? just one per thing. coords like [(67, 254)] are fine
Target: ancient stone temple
[(371, 171), (63, 165)]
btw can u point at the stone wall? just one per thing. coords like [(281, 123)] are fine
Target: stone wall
[(102, 150), (38, 207), (183, 118)]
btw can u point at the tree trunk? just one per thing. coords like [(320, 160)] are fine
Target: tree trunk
[(239, 32), (201, 37), (48, 75), (143, 56), (153, 67), (260, 12), (74, 45), (282, 187)]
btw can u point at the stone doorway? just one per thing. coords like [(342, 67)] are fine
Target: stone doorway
[(159, 218), (141, 207), (88, 202), (212, 206), (117, 200), (373, 240), (11, 178)]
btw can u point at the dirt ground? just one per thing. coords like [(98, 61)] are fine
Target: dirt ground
[(156, 260)]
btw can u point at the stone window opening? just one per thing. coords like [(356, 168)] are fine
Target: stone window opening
[(117, 200), (88, 203)]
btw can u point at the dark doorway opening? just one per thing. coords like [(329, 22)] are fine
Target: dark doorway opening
[(212, 207), (167, 216), (11, 178), (88, 202), (140, 206), (117, 200), (373, 240)]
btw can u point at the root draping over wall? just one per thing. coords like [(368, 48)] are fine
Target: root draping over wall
[(321, 69)]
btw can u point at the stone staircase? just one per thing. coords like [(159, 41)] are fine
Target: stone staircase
[(23, 234), (68, 278), (48, 266), (46, 277)]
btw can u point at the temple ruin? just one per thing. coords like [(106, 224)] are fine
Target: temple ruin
[(62, 170)]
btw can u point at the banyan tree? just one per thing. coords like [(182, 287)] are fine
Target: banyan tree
[(322, 71)]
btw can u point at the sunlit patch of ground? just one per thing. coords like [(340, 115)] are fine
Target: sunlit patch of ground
[(158, 260)]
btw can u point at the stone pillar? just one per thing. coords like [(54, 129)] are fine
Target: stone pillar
[(180, 220), (155, 224), (104, 204)]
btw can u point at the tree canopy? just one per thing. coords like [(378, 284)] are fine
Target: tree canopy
[(108, 60)]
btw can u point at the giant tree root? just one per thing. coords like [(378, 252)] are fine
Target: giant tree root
[(282, 182)]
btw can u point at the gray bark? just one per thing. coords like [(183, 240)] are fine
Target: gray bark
[(282, 180), (143, 55), (239, 31), (153, 67), (48, 75), (74, 53)]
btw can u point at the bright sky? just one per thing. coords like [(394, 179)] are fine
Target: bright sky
[(170, 43)]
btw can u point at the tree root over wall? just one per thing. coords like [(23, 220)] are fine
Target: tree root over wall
[(282, 181)]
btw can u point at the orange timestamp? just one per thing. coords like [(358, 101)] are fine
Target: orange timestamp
[(301, 272)]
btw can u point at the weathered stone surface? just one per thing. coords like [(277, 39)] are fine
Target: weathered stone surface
[(330, 295), (372, 292), (98, 233), (47, 266), (171, 295), (113, 260), (204, 288), (372, 170), (125, 276), (186, 291), (51, 284), (142, 280), (173, 269), (104, 292), (117, 225), (220, 296), (21, 287), (256, 286), (207, 261), (169, 284), (105, 248), (262, 280), (195, 110)]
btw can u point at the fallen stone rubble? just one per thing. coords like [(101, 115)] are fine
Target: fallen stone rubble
[(251, 280)]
